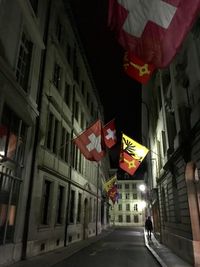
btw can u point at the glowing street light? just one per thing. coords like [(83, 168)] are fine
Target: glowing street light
[(142, 187)]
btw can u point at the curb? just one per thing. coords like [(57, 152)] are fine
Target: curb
[(156, 256)]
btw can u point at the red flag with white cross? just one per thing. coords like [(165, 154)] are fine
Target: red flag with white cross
[(136, 68), (90, 142), (153, 30), (109, 131)]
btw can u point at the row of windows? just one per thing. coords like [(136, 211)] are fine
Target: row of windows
[(128, 196), (127, 219), (75, 208), (72, 59), (58, 142), (127, 186), (58, 138), (135, 207)]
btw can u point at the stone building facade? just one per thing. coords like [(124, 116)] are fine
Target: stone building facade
[(171, 129), (130, 208), (50, 195)]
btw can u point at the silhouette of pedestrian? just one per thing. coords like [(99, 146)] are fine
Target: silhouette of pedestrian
[(148, 227)]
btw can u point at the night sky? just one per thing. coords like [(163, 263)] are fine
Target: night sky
[(119, 94)]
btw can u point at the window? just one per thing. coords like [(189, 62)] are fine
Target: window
[(82, 120), (57, 75), (34, 4), (45, 202), (120, 196), (72, 202), (136, 218), (164, 142), (52, 134), (50, 123), (134, 186), (135, 207), (24, 60), (120, 207), (127, 195), (67, 94), (74, 156), (79, 208), (128, 218), (127, 207), (120, 218), (126, 186), (76, 110), (135, 196), (119, 186), (60, 195), (59, 30), (64, 146)]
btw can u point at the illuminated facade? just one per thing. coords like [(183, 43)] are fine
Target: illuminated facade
[(171, 130), (130, 208)]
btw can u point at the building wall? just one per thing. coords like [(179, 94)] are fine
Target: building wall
[(130, 208), (21, 33), (67, 187), (173, 132)]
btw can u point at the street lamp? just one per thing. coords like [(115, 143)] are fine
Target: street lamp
[(142, 187)]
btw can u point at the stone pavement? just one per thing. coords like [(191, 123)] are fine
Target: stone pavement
[(163, 255)]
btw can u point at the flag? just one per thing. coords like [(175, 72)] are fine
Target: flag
[(109, 184), (128, 163), (153, 30), (90, 142), (136, 68), (109, 132), (134, 149), (131, 154), (113, 193)]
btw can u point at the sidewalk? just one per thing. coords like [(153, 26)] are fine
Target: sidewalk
[(51, 258), (163, 255)]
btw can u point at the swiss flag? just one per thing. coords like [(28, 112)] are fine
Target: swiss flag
[(109, 131), (136, 68), (128, 163), (152, 29), (90, 142)]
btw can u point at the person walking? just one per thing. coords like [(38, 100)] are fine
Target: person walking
[(148, 227)]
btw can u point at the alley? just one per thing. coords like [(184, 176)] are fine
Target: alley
[(123, 247)]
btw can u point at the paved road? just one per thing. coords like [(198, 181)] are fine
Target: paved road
[(122, 248)]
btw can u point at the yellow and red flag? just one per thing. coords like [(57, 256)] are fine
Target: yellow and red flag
[(136, 68), (109, 184), (131, 155)]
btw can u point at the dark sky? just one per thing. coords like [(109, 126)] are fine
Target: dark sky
[(119, 94)]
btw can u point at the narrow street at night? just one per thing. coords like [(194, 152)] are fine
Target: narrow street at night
[(123, 247)]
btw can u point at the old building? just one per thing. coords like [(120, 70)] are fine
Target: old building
[(66, 199), (50, 195), (171, 129), (130, 208), (22, 26)]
